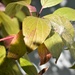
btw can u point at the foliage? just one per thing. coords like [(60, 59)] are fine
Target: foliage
[(23, 30)]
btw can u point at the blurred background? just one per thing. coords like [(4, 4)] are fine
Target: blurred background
[(65, 59)]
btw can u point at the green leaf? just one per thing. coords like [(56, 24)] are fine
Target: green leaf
[(2, 54), (72, 49), (25, 56), (15, 20), (17, 47), (6, 2), (20, 15), (13, 8), (27, 1), (49, 3), (35, 31), (55, 45), (10, 67), (28, 67), (9, 1), (9, 27), (73, 66), (62, 26), (66, 12), (0, 21)]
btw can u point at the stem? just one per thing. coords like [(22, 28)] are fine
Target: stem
[(7, 38), (30, 13), (40, 10)]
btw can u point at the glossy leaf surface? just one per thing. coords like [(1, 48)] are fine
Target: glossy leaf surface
[(66, 12), (9, 27), (28, 67), (2, 54), (35, 31), (9, 67), (49, 3), (62, 26)]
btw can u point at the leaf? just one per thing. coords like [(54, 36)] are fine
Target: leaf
[(55, 45), (49, 3), (72, 49), (28, 67), (31, 8), (25, 56), (66, 12), (73, 66), (0, 21), (2, 54), (17, 47), (35, 31), (27, 1), (13, 8), (15, 20), (44, 54), (20, 15), (10, 67), (9, 27), (6, 2), (62, 26)]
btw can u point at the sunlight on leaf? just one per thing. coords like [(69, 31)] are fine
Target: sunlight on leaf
[(9, 27), (55, 45), (28, 67), (35, 31), (2, 54), (66, 12), (62, 26), (49, 3)]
